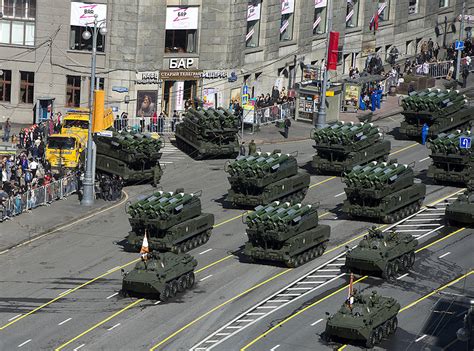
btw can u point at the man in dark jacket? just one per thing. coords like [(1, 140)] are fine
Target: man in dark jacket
[(287, 126)]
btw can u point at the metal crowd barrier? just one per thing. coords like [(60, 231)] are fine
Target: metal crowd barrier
[(440, 69), (39, 196), (146, 124), (272, 114)]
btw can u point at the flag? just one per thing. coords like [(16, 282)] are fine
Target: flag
[(374, 21), (145, 249), (350, 294)]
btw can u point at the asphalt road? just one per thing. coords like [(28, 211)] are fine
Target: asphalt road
[(60, 292)]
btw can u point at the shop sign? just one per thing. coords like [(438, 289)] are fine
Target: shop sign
[(182, 17), (320, 3), (287, 7), (82, 14), (181, 63), (214, 74), (147, 78), (351, 95), (253, 12), (180, 75)]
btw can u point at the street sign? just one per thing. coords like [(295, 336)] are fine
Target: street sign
[(459, 45), (464, 143), (245, 90), (106, 133)]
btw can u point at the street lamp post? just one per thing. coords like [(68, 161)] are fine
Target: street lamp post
[(461, 28), (88, 194)]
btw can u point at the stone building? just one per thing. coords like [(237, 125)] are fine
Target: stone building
[(165, 52)]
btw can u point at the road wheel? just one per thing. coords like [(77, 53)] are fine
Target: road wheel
[(182, 283), (300, 260), (196, 242), (165, 294), (380, 333), (189, 245), (405, 262), (291, 263), (388, 272), (411, 259), (191, 279), (320, 250), (201, 239), (173, 288), (306, 257), (371, 340), (394, 324), (396, 266), (387, 330)]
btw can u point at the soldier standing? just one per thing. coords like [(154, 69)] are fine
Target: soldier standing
[(242, 148), (252, 147)]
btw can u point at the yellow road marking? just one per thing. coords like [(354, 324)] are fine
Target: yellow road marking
[(298, 313), (342, 348), (403, 149), (231, 219), (445, 197), (439, 240), (214, 263), (322, 182), (99, 324)]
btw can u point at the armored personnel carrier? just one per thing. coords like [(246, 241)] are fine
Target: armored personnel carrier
[(208, 133), (461, 211), (265, 177), (341, 146), (440, 110), (172, 220), (284, 233), (363, 318), (164, 274), (383, 191), (134, 157), (382, 253), (451, 163)]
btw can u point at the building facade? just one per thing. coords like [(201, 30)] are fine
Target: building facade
[(157, 54)]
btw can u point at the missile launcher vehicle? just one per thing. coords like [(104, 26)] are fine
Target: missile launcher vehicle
[(442, 111), (132, 156), (208, 133), (265, 177), (383, 191), (363, 318), (451, 163), (382, 253), (461, 211), (282, 232), (164, 274), (172, 220), (341, 146)]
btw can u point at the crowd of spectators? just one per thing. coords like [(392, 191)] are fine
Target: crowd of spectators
[(276, 97)]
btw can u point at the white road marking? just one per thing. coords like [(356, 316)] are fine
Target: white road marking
[(210, 275), (202, 253), (329, 270), (402, 276), (280, 300), (411, 230), (255, 314), (115, 326), (18, 315), (157, 302), (299, 289), (424, 159), (311, 282), (223, 334), (166, 162), (114, 294), (275, 347), (65, 292), (64, 321), (444, 255), (245, 320), (434, 230), (24, 343), (419, 225), (319, 320), (420, 338), (79, 347), (322, 276), (340, 194)]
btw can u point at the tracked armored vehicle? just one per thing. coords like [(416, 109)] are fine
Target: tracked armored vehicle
[(382, 253), (461, 211), (442, 111), (363, 319), (134, 157), (265, 177), (451, 163), (172, 220), (341, 146), (281, 232), (164, 274), (383, 191), (208, 133)]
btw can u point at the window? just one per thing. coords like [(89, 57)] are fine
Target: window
[(17, 27), (27, 85), (253, 24), (383, 10), (181, 29), (352, 13), (77, 42), (6, 86), (181, 41), (443, 3), (287, 19), (73, 91), (412, 7), (319, 21)]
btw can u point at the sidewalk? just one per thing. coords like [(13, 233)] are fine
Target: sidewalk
[(45, 219)]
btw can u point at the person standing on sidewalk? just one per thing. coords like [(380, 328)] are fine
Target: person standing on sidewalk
[(252, 147), (287, 126), (242, 149), (7, 127), (464, 74)]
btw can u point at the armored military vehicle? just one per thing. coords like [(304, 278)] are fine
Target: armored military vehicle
[(341, 146), (132, 156), (440, 110), (383, 191), (363, 318), (172, 220), (165, 274), (461, 211), (285, 233), (451, 163), (382, 253), (265, 177), (208, 133)]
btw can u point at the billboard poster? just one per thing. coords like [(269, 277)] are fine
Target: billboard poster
[(287, 7), (209, 98), (182, 17), (235, 95), (320, 3), (351, 95), (82, 14), (253, 12), (146, 103)]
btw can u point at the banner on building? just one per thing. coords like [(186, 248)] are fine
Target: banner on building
[(209, 98), (146, 103), (287, 7), (182, 17), (351, 95), (320, 3), (82, 14), (179, 96), (253, 12)]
